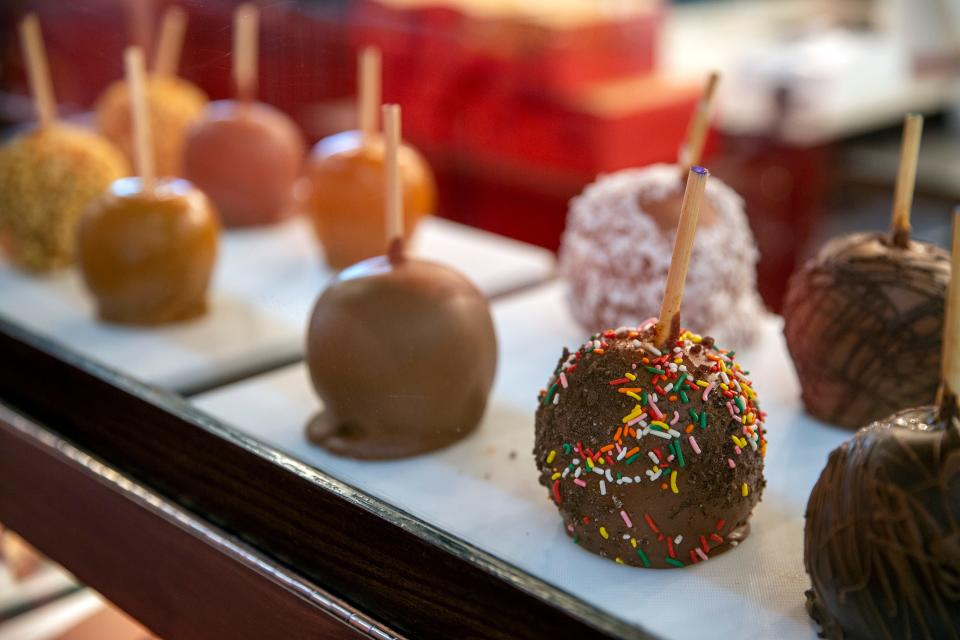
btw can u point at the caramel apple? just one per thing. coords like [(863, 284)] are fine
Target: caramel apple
[(401, 351), (147, 255), (346, 173), (346, 178), (49, 174), (174, 103), (245, 155)]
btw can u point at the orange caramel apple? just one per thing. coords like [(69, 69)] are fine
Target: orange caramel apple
[(147, 257), (346, 173), (246, 156)]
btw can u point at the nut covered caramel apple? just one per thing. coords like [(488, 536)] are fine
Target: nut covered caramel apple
[(863, 322), (147, 256), (654, 457), (402, 352), (882, 536), (174, 105), (47, 177)]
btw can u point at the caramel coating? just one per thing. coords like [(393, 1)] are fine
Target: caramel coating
[(47, 177), (147, 257), (174, 106), (246, 157), (403, 353), (347, 175)]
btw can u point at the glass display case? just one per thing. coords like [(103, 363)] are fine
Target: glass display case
[(282, 366)]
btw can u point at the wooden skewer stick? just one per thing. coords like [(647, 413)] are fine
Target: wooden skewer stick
[(668, 326), (393, 198), (368, 90), (950, 358), (246, 21), (142, 140), (166, 58), (906, 179), (38, 70), (692, 149)]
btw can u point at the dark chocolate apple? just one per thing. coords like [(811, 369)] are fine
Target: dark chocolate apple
[(402, 352), (864, 322), (882, 538), (653, 458)]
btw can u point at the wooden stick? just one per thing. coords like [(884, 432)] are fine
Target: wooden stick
[(692, 149), (166, 58), (906, 179), (246, 21), (368, 90), (38, 70), (950, 358), (393, 197), (668, 326), (142, 141)]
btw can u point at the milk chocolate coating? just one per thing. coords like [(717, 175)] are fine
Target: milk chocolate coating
[(347, 176), (147, 257), (864, 324), (882, 538), (402, 353), (621, 508), (246, 158)]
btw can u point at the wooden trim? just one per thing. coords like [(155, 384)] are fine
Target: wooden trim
[(177, 575), (395, 568)]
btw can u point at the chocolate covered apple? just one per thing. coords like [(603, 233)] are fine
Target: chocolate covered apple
[(401, 351), (864, 318)]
